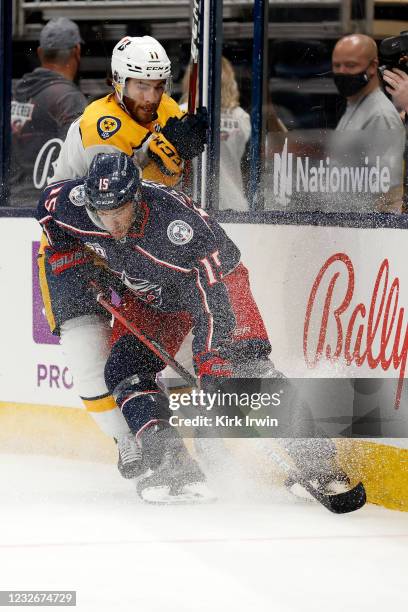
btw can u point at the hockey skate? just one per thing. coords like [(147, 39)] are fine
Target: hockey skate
[(130, 464), (176, 477)]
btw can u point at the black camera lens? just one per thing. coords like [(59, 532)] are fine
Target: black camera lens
[(394, 46)]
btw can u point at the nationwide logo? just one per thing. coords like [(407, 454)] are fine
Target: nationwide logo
[(292, 174)]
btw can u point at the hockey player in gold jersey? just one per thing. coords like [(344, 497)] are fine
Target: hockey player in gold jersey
[(142, 120), (138, 118)]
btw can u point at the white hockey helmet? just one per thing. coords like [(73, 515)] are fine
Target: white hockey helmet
[(139, 57)]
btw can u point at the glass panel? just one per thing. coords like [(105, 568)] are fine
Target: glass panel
[(325, 150), (335, 171), (302, 105), (47, 98)]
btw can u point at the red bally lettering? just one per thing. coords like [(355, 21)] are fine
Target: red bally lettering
[(384, 323)]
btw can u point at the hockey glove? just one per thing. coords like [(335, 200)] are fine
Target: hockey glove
[(212, 369), (60, 261), (188, 134)]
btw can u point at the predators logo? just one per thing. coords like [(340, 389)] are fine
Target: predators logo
[(108, 126)]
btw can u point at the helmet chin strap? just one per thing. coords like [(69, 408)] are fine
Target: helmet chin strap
[(120, 98)]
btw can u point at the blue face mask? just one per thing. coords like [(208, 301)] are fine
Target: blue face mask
[(350, 84)]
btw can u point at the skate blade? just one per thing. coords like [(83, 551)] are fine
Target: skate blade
[(194, 493)]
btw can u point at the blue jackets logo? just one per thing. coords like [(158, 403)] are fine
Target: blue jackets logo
[(77, 195), (108, 126), (144, 289), (179, 232)]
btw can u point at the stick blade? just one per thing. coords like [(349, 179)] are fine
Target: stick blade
[(349, 501), (338, 503)]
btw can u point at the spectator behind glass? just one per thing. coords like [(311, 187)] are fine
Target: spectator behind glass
[(44, 104), (397, 87), (234, 137), (371, 126)]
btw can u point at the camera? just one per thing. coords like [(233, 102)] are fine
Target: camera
[(394, 53)]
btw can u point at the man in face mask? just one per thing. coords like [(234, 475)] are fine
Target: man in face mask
[(355, 63), (373, 131)]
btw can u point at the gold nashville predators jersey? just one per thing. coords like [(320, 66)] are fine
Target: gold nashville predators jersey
[(105, 127)]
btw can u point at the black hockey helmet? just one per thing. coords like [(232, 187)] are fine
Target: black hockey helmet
[(112, 180)]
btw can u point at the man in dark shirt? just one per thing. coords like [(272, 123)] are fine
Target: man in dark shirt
[(45, 102)]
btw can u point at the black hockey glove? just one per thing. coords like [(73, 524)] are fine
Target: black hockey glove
[(188, 134)]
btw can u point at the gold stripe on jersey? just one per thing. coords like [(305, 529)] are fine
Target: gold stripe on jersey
[(44, 285), (106, 122), (100, 404)]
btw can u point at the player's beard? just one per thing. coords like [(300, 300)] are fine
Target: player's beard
[(142, 113)]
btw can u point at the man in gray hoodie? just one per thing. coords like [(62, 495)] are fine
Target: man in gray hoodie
[(45, 102)]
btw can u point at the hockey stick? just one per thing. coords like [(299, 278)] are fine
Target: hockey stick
[(192, 85), (339, 503), (151, 344)]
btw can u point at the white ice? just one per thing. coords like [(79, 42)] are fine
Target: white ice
[(74, 525)]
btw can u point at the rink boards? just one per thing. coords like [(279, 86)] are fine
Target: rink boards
[(334, 301)]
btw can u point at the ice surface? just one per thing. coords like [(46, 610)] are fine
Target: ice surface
[(76, 525)]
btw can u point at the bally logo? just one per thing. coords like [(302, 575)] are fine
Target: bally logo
[(373, 333)]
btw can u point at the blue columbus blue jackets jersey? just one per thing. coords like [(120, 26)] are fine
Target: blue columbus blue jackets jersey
[(174, 256)]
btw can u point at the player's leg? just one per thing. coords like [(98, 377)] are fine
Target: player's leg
[(85, 342), (315, 456), (84, 328), (130, 375)]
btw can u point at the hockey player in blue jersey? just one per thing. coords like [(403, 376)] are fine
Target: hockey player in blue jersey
[(174, 262), (172, 259)]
